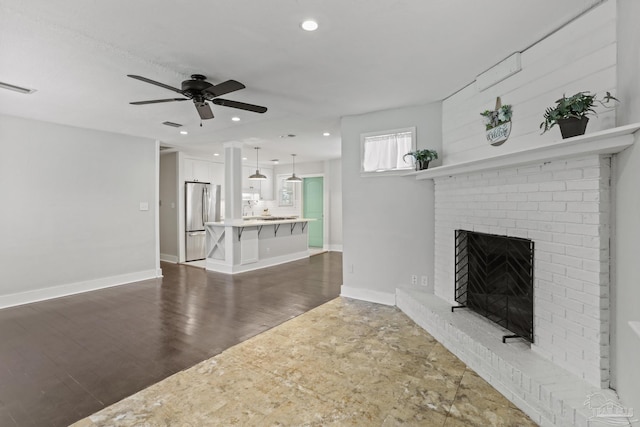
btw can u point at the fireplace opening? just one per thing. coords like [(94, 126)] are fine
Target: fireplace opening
[(494, 277)]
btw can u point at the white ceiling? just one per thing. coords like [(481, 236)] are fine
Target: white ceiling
[(367, 55)]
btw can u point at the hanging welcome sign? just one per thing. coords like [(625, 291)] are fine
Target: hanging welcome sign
[(498, 123)]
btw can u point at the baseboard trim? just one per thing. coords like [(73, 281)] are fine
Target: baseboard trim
[(335, 248), (386, 298), (169, 258), (43, 294)]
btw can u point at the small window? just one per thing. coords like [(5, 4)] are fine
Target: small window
[(384, 151)]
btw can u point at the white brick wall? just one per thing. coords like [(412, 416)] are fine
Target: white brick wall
[(563, 206)]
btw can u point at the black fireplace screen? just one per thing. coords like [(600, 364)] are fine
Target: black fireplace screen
[(494, 277)]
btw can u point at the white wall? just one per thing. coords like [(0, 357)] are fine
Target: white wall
[(387, 220), (626, 345), (71, 218), (169, 206), (579, 57), (333, 170)]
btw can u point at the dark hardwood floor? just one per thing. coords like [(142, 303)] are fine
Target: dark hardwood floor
[(64, 359)]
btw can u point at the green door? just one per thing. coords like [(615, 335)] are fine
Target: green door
[(312, 207)]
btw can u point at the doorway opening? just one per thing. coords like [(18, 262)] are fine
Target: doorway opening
[(313, 207)]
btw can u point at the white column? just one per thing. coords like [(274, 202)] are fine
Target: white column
[(233, 181)]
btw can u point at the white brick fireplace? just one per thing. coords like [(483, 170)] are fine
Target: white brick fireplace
[(564, 207), (558, 195)]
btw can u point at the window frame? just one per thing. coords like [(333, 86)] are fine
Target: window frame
[(387, 172)]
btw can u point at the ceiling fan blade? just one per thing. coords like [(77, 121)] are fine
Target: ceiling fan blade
[(156, 101), (224, 88), (153, 82), (239, 105), (204, 110)]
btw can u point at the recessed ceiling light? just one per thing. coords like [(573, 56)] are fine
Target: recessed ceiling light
[(216, 154), (235, 119), (184, 132), (244, 158), (309, 25), (275, 161), (326, 134)]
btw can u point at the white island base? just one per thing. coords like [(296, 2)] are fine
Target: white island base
[(245, 245)]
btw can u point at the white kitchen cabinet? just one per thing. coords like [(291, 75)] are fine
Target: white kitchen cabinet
[(250, 188), (187, 169), (246, 182), (201, 171), (263, 189), (266, 187), (196, 170)]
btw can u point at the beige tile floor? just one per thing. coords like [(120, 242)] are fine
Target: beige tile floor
[(346, 362)]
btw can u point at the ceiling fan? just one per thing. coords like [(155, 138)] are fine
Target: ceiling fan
[(199, 90)]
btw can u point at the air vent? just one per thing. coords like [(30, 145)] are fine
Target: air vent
[(14, 88), (174, 125)]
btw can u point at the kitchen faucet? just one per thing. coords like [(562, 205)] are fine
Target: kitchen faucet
[(249, 206)]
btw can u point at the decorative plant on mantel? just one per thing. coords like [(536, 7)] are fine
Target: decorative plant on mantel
[(498, 123), (422, 157), (571, 113)]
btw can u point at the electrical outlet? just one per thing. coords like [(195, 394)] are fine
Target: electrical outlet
[(425, 281), (414, 279)]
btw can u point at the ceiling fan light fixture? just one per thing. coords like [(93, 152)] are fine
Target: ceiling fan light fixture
[(293, 177), (257, 176)]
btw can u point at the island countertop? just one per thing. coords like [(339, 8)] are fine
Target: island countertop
[(256, 221), (250, 243)]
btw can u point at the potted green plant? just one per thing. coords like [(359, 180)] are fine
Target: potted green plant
[(422, 158), (570, 113)]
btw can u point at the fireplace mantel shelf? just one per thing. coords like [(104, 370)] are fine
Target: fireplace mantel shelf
[(604, 142)]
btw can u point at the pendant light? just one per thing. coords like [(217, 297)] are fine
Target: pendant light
[(294, 178), (257, 176)]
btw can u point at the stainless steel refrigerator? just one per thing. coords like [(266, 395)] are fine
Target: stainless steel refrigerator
[(202, 204)]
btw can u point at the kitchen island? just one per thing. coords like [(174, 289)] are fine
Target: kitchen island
[(256, 242)]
